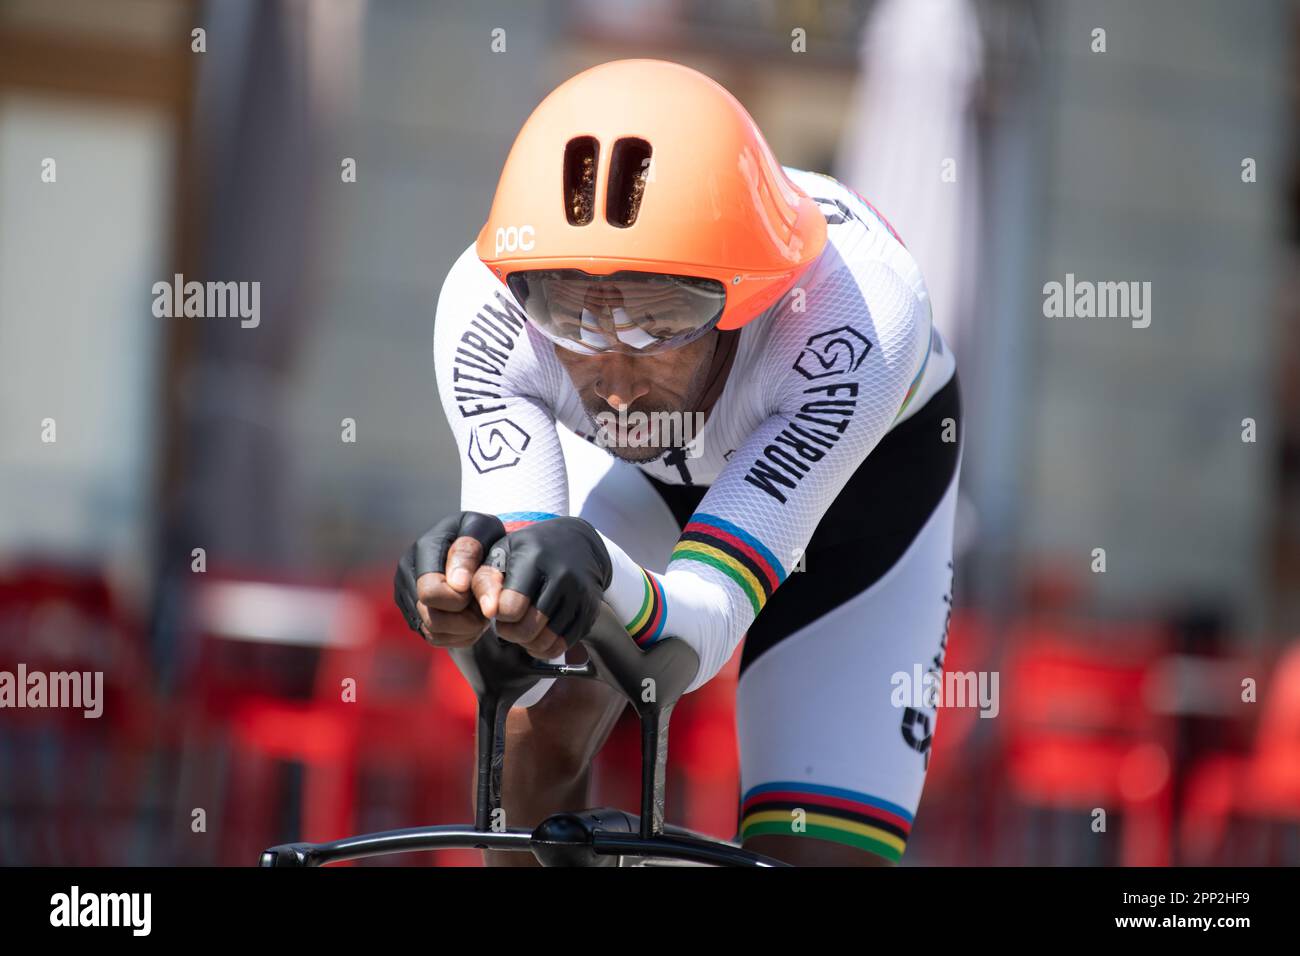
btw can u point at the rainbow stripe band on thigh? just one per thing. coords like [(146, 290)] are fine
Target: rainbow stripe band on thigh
[(828, 813)]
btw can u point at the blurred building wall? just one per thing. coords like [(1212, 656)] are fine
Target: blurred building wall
[(1135, 434), (78, 345), (97, 93)]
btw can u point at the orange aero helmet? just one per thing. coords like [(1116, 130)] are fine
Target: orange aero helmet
[(650, 169)]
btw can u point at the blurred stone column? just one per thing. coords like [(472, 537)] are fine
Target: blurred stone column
[(271, 86), (268, 90)]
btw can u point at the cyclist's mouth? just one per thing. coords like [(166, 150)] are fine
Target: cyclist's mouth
[(637, 434)]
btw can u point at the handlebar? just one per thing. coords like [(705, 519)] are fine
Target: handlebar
[(651, 679)]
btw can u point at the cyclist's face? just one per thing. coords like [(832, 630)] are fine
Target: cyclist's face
[(664, 388)]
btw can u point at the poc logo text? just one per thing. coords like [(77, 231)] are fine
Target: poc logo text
[(515, 239)]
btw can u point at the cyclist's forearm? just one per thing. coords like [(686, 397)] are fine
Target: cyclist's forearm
[(678, 604)]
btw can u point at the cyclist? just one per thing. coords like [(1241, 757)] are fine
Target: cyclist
[(647, 263)]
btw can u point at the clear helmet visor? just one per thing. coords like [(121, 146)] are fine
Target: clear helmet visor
[(634, 312)]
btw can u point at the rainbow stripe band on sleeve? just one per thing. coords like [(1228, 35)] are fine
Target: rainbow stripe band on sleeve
[(829, 813), (514, 520), (735, 552), (648, 624)]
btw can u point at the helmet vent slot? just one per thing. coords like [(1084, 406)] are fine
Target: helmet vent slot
[(629, 170), (580, 158)]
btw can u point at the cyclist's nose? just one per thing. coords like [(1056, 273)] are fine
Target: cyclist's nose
[(620, 383)]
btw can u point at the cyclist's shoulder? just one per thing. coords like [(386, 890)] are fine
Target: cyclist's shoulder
[(833, 195), (468, 279), (480, 330), (471, 295), (812, 181), (861, 243), (864, 298), (832, 346), (858, 231)]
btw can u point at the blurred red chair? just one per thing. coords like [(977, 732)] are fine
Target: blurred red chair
[(1260, 787), (1078, 734), (251, 653), (414, 717), (268, 685), (961, 784), (78, 781), (970, 648), (705, 757)]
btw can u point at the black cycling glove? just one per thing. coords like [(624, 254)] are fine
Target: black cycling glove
[(429, 554), (562, 566)]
